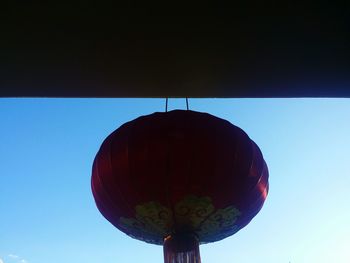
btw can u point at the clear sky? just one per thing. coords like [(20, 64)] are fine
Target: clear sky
[(48, 215)]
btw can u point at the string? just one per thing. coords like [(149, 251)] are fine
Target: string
[(166, 104)]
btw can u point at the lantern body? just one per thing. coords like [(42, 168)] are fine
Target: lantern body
[(179, 172)]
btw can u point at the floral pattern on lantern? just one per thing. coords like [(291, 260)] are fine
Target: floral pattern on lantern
[(192, 212)]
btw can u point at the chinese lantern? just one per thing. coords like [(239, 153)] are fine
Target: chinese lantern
[(179, 179)]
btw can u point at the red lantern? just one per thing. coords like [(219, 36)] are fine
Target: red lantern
[(179, 178)]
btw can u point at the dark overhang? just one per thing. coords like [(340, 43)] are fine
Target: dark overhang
[(250, 50)]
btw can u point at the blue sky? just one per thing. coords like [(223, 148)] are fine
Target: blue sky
[(47, 210)]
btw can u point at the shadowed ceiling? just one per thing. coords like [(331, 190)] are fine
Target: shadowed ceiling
[(256, 49)]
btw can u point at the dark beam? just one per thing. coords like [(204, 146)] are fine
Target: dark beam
[(253, 50)]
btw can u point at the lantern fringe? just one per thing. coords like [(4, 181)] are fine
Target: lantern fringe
[(182, 248)]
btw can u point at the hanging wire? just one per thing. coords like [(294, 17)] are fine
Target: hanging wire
[(166, 104)]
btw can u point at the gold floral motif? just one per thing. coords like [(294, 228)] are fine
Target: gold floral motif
[(223, 220), (153, 221), (151, 218), (192, 210)]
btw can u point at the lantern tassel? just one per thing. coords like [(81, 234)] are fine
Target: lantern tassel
[(181, 248)]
